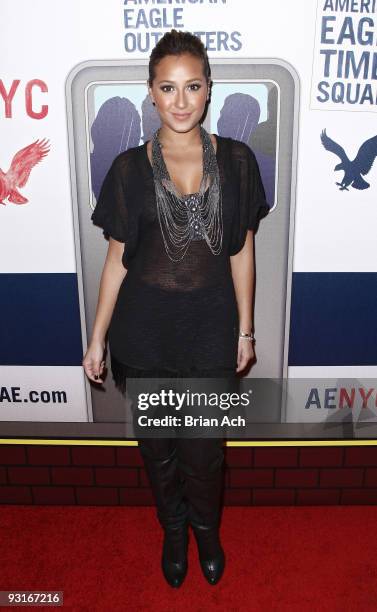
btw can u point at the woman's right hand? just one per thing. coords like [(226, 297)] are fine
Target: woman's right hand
[(93, 361)]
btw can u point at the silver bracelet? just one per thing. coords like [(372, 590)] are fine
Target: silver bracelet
[(249, 337)]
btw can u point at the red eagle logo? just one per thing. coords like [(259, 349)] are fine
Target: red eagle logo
[(19, 171)]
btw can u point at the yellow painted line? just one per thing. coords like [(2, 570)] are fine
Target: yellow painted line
[(236, 443)]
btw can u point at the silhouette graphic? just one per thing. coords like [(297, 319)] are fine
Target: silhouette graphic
[(118, 126), (150, 119), (238, 119), (239, 116), (352, 169), (19, 171), (115, 129), (263, 138)]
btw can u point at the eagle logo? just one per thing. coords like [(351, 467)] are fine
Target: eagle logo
[(19, 171), (352, 169)]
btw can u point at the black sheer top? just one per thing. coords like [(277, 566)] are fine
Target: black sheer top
[(173, 315)]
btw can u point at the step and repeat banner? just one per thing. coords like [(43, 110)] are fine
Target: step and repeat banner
[(295, 81)]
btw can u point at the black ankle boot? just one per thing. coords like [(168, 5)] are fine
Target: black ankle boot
[(211, 554), (174, 554)]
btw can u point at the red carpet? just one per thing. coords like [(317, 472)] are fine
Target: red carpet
[(278, 558)]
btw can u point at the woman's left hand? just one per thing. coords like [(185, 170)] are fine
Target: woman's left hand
[(245, 353)]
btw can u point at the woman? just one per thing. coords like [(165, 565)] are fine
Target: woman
[(177, 285)]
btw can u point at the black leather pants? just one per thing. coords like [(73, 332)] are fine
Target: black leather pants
[(185, 474)]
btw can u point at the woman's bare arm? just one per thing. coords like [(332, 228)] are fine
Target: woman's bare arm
[(242, 266), (112, 276)]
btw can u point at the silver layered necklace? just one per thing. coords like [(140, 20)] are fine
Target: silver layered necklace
[(197, 216)]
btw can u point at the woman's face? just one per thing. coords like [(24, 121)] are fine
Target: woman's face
[(180, 91)]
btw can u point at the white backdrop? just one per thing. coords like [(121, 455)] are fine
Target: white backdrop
[(41, 42)]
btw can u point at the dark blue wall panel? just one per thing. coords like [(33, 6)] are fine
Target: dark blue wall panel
[(40, 320), (333, 319)]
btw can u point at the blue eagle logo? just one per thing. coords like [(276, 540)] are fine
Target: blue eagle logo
[(352, 169)]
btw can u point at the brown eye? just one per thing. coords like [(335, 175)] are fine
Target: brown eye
[(166, 88), (195, 87)]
